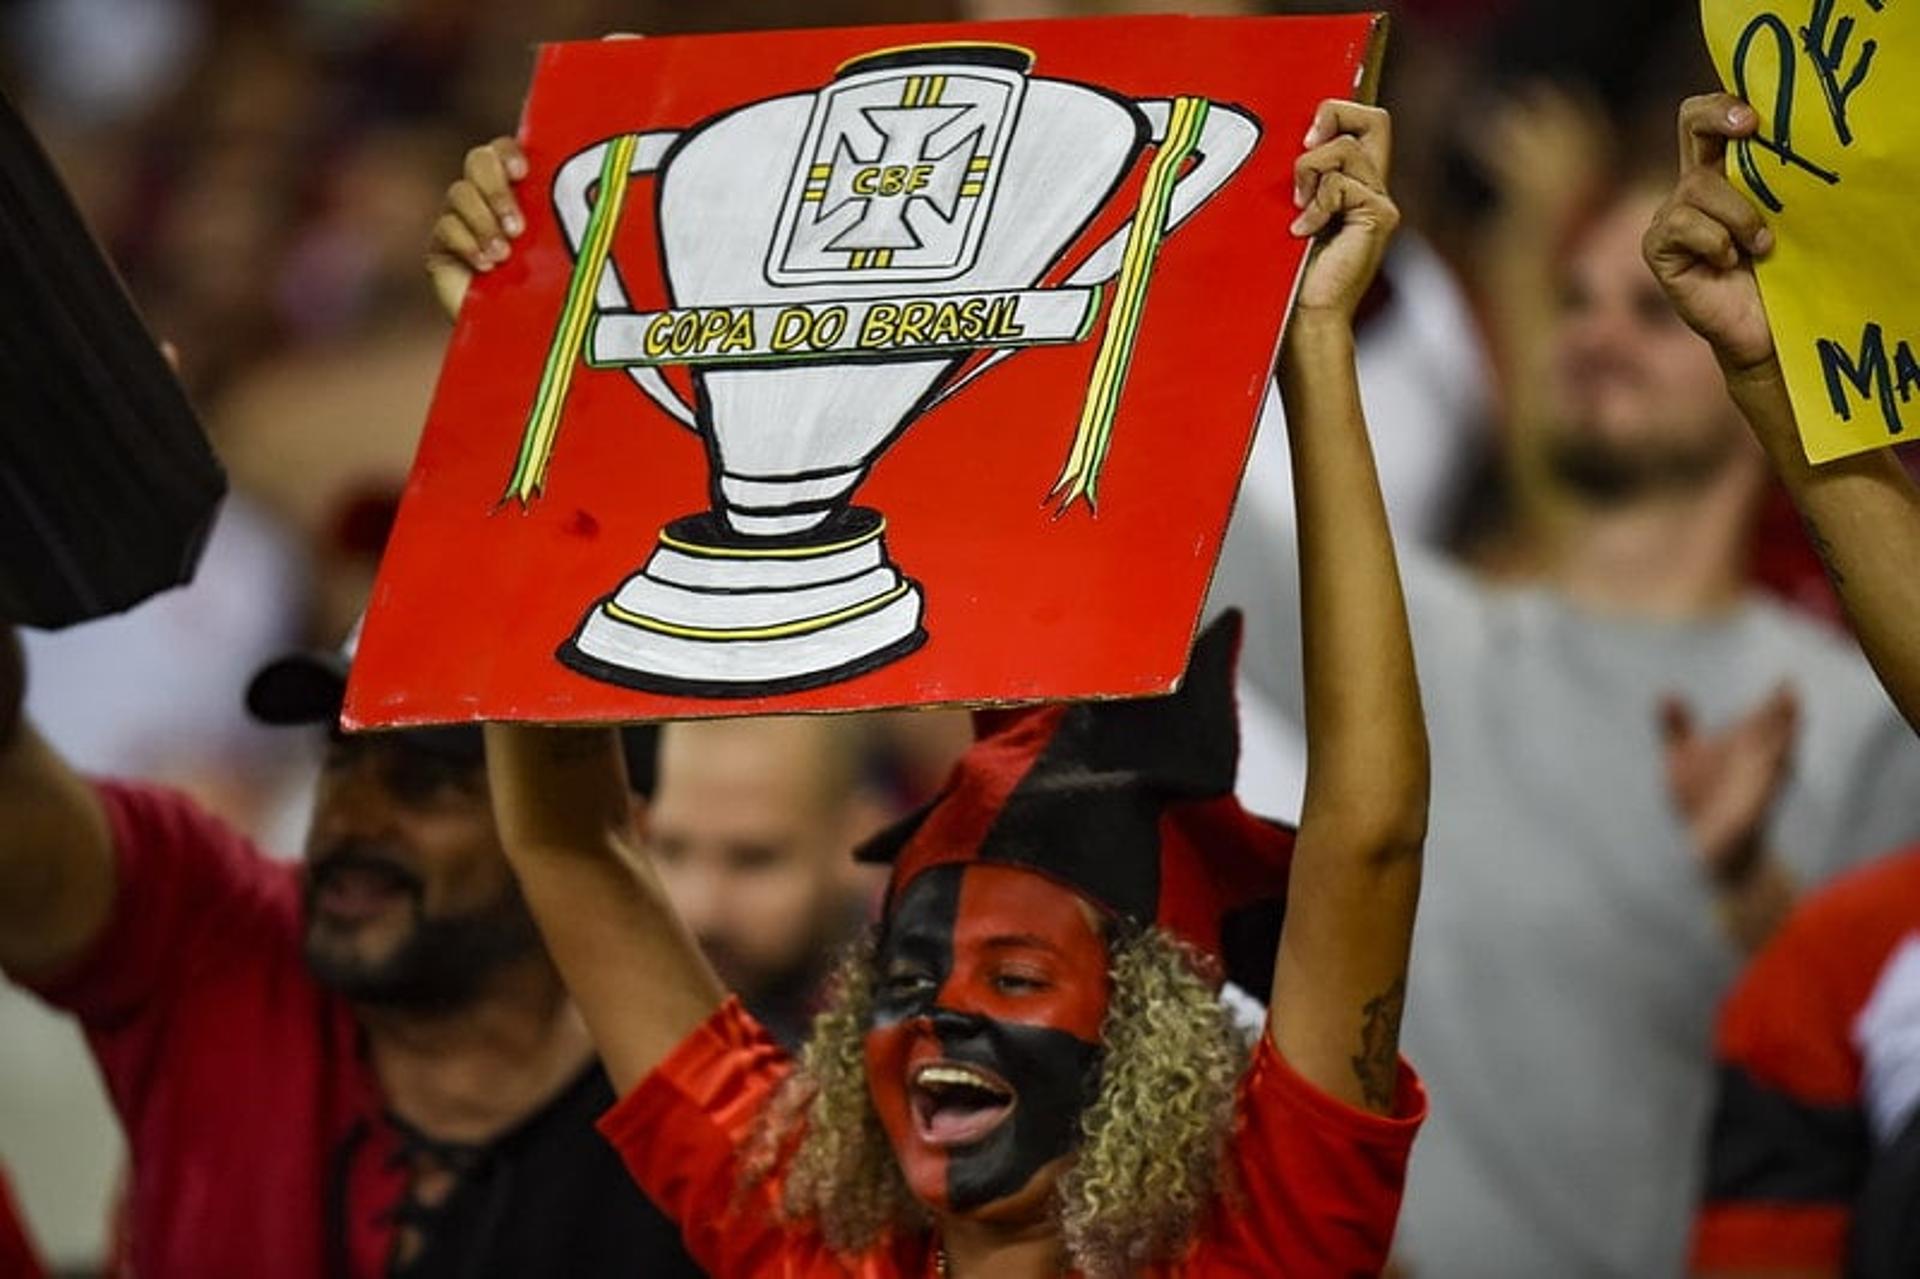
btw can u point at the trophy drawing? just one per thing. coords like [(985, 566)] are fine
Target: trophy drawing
[(837, 264)]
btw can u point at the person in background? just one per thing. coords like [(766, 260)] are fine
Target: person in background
[(1813, 1159), (361, 1067), (753, 825), (1862, 512), (1033, 1070), (1636, 759), (148, 693)]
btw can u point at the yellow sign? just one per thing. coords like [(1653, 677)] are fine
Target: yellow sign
[(1836, 166)]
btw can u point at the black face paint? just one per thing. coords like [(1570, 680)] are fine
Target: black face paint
[(1056, 1077), (931, 1002)]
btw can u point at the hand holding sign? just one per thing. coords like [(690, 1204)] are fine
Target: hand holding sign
[(1703, 240), (1862, 513), (1340, 185), (1830, 155), (480, 218)]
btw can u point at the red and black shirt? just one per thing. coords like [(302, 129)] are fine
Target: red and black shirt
[(1815, 1147), (260, 1142), (1317, 1181)]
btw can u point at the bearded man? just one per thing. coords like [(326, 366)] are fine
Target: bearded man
[(358, 1067)]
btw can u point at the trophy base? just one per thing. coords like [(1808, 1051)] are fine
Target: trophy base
[(716, 614)]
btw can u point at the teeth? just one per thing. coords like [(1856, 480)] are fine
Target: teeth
[(952, 1076)]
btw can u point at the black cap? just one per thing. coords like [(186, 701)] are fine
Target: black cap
[(299, 688), (309, 687)]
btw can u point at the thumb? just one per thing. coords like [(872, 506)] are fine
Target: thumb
[(450, 277), (1779, 716)]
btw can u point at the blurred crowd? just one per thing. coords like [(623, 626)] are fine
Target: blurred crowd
[(264, 174)]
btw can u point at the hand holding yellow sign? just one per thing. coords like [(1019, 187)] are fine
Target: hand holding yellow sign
[(1836, 165)]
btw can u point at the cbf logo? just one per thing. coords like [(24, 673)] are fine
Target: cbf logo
[(896, 175)]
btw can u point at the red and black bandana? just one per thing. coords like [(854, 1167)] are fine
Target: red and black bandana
[(1129, 803)]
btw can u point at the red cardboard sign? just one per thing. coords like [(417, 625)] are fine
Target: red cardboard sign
[(859, 368)]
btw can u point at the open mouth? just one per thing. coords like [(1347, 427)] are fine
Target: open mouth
[(355, 891), (955, 1104)]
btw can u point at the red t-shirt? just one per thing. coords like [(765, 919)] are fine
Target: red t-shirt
[(241, 1084), (1814, 1153), (1319, 1181)]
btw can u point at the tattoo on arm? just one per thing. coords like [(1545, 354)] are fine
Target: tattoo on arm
[(1377, 1064), (1824, 549)]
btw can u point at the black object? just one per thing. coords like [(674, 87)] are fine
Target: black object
[(548, 1197), (308, 687), (1885, 1242), (108, 488)]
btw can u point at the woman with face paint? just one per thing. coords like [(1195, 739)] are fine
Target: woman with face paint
[(1030, 1071)]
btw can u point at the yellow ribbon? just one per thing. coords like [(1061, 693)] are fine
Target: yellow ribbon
[(1080, 477), (563, 356)]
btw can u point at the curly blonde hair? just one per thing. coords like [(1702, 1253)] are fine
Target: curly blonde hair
[(1150, 1146)]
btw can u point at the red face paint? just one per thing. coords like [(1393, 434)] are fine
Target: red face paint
[(984, 1047)]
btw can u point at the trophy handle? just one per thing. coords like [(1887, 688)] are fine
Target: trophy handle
[(610, 294), (1217, 139), (1227, 138), (573, 185), (588, 219)]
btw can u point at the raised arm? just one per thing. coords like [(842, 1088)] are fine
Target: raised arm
[(560, 795), (561, 798), (1340, 981), (1863, 512), (56, 851)]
